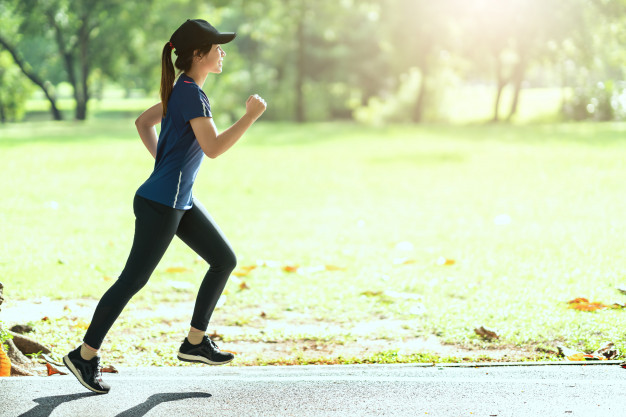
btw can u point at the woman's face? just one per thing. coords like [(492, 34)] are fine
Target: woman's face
[(212, 61)]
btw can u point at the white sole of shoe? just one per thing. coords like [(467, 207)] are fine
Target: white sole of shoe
[(68, 363), (199, 359)]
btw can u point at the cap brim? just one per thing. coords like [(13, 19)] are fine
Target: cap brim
[(225, 37)]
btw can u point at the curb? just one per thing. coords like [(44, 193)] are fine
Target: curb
[(503, 364)]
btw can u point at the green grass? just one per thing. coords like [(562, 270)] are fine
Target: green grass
[(345, 195)]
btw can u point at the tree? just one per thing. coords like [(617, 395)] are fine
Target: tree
[(510, 36), (10, 38), (417, 31), (88, 35)]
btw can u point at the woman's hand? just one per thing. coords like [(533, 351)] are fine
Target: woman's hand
[(255, 106)]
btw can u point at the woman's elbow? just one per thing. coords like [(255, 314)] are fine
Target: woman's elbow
[(138, 123)]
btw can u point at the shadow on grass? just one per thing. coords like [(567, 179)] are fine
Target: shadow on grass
[(46, 405)]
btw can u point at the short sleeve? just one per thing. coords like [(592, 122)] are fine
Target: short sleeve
[(194, 104)]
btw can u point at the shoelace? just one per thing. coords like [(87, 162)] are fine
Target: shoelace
[(211, 343), (98, 370)]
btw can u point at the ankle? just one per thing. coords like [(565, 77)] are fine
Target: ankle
[(87, 352), (195, 336)]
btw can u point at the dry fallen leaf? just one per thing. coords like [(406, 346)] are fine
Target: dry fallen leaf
[(81, 324), (567, 352), (244, 270), (52, 370), (400, 261), (370, 293), (334, 268), (290, 268), (243, 286), (175, 269), (110, 369), (486, 333), (445, 261), (215, 335), (608, 351), (578, 300), (263, 314), (583, 304), (574, 355)]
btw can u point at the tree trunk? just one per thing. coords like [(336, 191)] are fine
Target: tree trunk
[(67, 53), (300, 66), (56, 114), (3, 116), (501, 83), (418, 109), (81, 108), (518, 78)]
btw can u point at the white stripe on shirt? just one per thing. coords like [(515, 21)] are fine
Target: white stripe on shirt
[(178, 188)]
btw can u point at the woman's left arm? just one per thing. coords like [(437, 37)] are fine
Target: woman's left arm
[(146, 123)]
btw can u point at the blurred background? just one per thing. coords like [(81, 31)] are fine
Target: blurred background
[(374, 61)]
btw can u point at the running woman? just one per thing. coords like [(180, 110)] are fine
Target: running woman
[(164, 205)]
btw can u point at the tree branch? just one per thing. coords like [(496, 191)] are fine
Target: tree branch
[(25, 68)]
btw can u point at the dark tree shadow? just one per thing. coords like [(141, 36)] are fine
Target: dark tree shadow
[(46, 405), (156, 399)]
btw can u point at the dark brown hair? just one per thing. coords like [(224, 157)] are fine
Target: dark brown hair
[(183, 63)]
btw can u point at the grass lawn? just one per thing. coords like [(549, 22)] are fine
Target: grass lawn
[(529, 217)]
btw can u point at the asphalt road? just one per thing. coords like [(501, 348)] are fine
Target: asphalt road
[(364, 390)]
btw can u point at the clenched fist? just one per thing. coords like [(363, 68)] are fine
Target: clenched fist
[(255, 106)]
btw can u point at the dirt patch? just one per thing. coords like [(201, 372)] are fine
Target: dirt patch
[(291, 339)]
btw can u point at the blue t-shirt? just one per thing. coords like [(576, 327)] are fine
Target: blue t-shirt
[(179, 155)]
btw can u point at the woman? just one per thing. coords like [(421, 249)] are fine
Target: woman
[(164, 205)]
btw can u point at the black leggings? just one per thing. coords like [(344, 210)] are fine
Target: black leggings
[(155, 227)]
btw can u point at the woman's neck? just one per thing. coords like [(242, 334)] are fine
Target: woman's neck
[(198, 77)]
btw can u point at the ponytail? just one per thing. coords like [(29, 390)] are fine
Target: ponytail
[(167, 75)]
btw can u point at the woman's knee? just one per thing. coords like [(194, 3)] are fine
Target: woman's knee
[(131, 285), (227, 261)]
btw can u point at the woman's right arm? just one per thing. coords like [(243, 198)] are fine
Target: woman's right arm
[(213, 143), (146, 123)]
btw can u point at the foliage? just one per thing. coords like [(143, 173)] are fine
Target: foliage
[(371, 59), (604, 101), (4, 336), (14, 92)]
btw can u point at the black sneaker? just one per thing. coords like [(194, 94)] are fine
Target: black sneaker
[(206, 352), (87, 372)]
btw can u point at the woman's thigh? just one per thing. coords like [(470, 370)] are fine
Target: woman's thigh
[(202, 234), (155, 227)]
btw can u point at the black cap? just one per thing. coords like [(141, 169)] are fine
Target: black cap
[(196, 33)]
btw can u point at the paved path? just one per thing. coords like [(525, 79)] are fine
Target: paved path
[(364, 390)]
